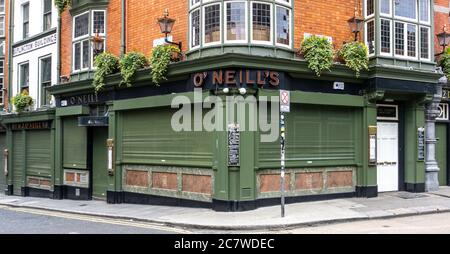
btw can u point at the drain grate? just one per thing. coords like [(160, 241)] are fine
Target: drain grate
[(411, 195)]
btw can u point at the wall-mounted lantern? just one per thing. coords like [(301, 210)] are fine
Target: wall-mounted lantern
[(97, 44), (444, 39), (356, 24), (166, 25)]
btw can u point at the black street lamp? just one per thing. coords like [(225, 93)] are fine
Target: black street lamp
[(97, 44), (356, 24), (166, 25), (444, 39)]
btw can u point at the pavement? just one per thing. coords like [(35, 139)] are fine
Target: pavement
[(387, 205)]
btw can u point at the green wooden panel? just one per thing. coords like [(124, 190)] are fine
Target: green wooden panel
[(99, 163), (148, 138), (38, 154), (3, 184), (18, 158), (316, 136), (441, 152), (74, 144)]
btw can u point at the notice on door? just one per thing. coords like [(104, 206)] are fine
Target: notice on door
[(233, 145), (421, 144)]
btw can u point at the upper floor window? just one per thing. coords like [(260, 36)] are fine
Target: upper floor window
[(25, 20), (47, 15), (215, 22), (2, 26), (87, 25), (2, 6), (24, 76), (404, 28)]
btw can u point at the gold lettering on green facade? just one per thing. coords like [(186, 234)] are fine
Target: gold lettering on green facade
[(258, 78), (31, 126)]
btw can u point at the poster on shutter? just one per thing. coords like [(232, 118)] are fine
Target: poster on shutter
[(233, 145)]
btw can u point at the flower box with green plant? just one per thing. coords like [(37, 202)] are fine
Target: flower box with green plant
[(105, 64), (319, 53), (355, 55), (161, 57), (22, 101), (444, 62), (130, 64)]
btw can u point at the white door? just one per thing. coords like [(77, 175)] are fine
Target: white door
[(387, 153)]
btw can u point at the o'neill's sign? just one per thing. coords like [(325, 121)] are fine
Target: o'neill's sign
[(240, 78)]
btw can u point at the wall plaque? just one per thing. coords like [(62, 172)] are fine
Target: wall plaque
[(233, 145), (421, 144)]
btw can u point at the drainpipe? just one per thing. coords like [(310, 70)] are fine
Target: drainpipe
[(123, 46), (431, 165), (10, 57), (58, 51)]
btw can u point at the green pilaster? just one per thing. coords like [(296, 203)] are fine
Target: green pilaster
[(367, 174), (9, 145), (220, 165), (414, 119), (112, 180), (52, 152), (58, 179), (118, 148)]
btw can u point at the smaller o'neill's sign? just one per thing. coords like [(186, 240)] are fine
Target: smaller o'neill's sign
[(233, 145), (421, 144), (31, 126)]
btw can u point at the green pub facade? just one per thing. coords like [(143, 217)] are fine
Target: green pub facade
[(346, 136)]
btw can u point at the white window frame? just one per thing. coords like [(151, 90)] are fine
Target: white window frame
[(92, 23), (400, 18), (39, 92), (374, 34), (391, 39), (389, 118), (429, 43), (200, 29), (196, 4), (20, 87), (365, 9), (225, 23), (290, 27), (428, 22), (283, 2), (390, 10), (203, 25), (73, 27), (81, 55), (270, 42), (405, 27)]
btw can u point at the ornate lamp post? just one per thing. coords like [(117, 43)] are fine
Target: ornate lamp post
[(97, 44)]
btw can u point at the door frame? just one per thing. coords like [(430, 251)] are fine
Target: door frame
[(400, 119)]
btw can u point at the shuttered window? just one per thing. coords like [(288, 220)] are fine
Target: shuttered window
[(148, 138), (39, 154), (74, 144), (317, 135)]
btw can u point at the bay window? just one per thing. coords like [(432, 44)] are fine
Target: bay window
[(214, 22), (403, 28), (87, 25)]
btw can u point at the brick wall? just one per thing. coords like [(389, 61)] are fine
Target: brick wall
[(441, 18)]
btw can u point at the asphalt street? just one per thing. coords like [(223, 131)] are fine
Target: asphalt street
[(30, 221)]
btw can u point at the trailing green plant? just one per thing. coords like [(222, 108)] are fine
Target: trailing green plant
[(105, 64), (161, 57), (356, 57), (319, 53), (62, 5), (444, 62), (22, 101), (130, 64)]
